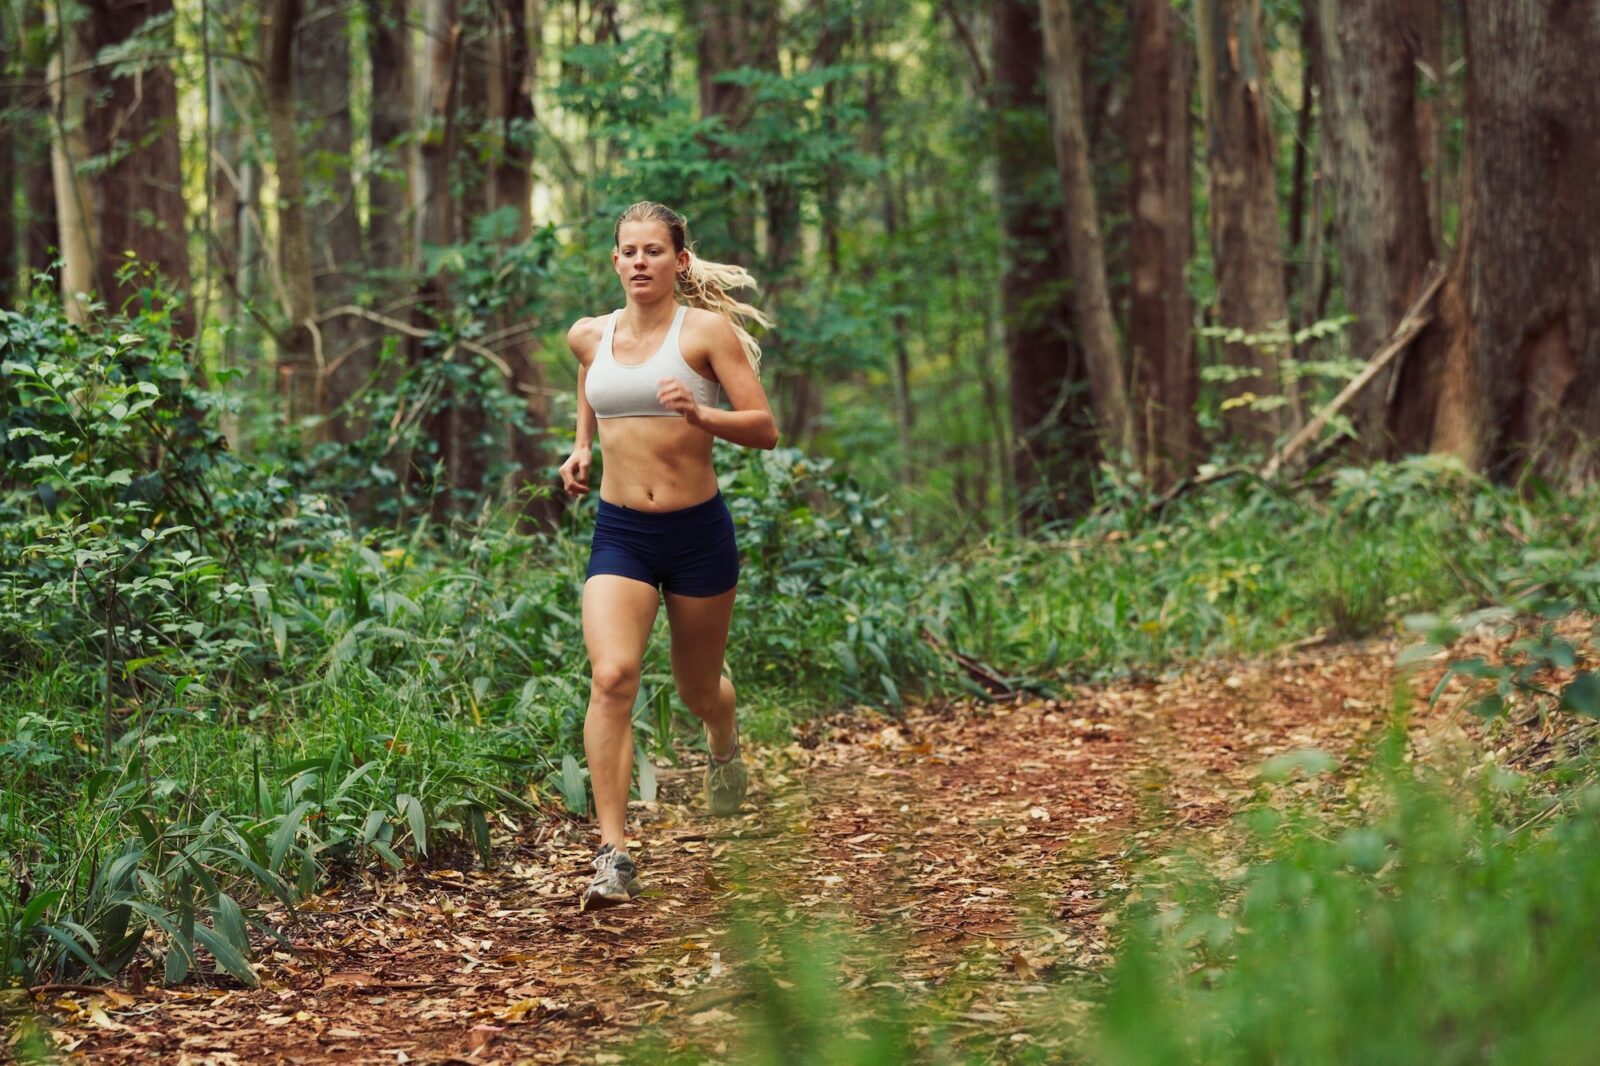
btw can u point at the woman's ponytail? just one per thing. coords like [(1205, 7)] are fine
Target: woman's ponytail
[(707, 284)]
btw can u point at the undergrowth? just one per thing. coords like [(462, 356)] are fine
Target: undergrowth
[(216, 685)]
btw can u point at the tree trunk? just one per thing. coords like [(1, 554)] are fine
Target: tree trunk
[(1160, 331), (389, 181), (8, 169), (1380, 203), (139, 204), (1533, 266), (514, 60), (1085, 250), (1055, 447), (69, 149), (1245, 242), (37, 124), (322, 108), (730, 34), (299, 360)]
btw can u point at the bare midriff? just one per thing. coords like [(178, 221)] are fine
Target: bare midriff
[(653, 463)]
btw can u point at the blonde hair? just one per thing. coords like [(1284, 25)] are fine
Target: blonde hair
[(703, 283)]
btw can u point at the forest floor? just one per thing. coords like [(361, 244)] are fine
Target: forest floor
[(984, 846)]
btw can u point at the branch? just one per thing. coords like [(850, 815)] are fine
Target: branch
[(416, 331), (1403, 334)]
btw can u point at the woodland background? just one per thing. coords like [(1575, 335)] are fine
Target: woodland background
[(1111, 338)]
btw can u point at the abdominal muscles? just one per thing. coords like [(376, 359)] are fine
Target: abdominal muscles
[(655, 463)]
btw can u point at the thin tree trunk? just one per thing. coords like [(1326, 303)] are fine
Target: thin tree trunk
[(9, 244), (69, 149), (36, 142), (132, 125), (299, 360), (1380, 203), (1054, 453), (1245, 242), (1085, 249), (1160, 331)]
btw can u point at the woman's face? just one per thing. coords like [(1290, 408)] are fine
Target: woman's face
[(646, 261)]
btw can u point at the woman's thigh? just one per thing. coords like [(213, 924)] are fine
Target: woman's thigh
[(699, 638), (618, 613)]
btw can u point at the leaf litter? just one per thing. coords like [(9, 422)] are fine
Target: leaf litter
[(985, 847)]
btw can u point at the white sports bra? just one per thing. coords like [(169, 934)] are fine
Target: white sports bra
[(618, 390)]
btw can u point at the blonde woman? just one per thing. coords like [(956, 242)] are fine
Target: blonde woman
[(649, 375)]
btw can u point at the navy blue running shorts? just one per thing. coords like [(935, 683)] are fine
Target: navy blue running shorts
[(689, 552)]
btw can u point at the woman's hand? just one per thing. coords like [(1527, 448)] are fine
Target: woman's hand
[(675, 396), (575, 472)]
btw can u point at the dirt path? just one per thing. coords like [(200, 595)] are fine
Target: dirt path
[(986, 844)]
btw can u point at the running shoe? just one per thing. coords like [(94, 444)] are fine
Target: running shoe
[(616, 879), (726, 781)]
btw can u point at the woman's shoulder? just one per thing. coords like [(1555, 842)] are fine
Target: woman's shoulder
[(706, 324), (583, 336)]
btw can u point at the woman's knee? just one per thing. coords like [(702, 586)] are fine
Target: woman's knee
[(704, 695), (615, 682)]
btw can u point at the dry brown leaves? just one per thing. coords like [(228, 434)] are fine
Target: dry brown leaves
[(988, 843)]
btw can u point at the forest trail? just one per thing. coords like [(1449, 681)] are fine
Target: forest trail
[(984, 843)]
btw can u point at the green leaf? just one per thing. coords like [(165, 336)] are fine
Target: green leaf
[(227, 955), (1582, 695), (1308, 762), (284, 836), (480, 833), (229, 920), (412, 810), (573, 789)]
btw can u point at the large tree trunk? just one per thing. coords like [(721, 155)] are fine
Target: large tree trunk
[(389, 181), (9, 244), (299, 361), (1245, 243), (1085, 249), (514, 69), (69, 149), (322, 110), (133, 128), (1382, 229), (1055, 448), (1533, 267), (730, 34), (1160, 329)]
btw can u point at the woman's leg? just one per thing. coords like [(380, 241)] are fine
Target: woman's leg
[(617, 615), (699, 640)]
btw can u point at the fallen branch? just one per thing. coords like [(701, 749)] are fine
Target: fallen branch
[(1415, 318), (991, 682)]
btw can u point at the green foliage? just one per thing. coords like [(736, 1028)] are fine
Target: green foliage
[(1426, 930)]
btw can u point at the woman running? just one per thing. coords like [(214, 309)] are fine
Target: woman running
[(648, 380)]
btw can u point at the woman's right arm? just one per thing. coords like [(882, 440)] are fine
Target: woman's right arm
[(575, 471)]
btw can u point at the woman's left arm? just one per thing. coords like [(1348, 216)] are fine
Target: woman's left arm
[(750, 423)]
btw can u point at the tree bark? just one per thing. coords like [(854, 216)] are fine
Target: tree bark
[(389, 181), (1533, 268), (730, 34), (132, 125), (1245, 242), (69, 149), (514, 60), (1381, 219), (38, 183), (1085, 249), (1055, 447), (322, 110), (9, 244), (1160, 330), (299, 360)]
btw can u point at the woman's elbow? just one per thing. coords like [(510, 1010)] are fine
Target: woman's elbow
[(769, 436)]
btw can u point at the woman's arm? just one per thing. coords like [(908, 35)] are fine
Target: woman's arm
[(750, 423), (575, 471)]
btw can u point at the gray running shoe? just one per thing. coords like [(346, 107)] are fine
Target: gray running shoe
[(726, 781), (616, 879)]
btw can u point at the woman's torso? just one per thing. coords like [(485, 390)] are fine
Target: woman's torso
[(651, 462)]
